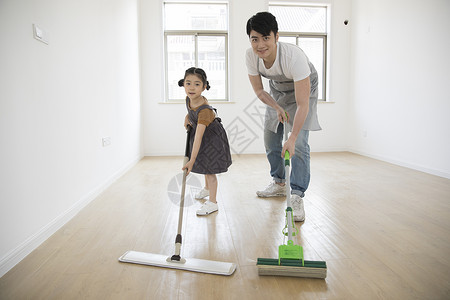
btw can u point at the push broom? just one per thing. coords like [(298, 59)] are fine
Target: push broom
[(290, 260), (176, 261)]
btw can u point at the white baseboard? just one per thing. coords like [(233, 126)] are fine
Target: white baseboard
[(340, 149), (329, 149), (404, 164), (20, 252)]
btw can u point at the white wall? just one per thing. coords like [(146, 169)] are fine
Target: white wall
[(400, 79), (388, 79), (56, 103), (163, 123)]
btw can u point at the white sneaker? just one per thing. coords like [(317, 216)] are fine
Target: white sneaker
[(202, 194), (207, 208), (272, 190), (298, 208)]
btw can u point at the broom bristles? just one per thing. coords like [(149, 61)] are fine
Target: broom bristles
[(294, 268)]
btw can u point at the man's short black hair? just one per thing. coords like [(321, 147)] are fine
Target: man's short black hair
[(263, 23)]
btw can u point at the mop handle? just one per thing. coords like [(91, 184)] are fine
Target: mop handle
[(183, 184), (183, 191), (178, 239)]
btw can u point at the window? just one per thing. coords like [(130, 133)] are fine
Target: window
[(306, 27), (196, 34)]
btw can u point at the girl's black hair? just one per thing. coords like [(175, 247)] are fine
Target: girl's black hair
[(263, 23), (199, 73)]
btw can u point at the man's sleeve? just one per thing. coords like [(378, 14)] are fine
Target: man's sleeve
[(251, 61), (299, 67)]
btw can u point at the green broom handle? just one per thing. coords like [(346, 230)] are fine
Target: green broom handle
[(289, 217), (286, 158)]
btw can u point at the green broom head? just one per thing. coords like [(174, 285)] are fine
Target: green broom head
[(290, 254)]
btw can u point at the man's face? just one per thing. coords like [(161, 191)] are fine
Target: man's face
[(264, 46)]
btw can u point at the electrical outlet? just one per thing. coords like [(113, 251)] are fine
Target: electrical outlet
[(40, 34), (106, 141)]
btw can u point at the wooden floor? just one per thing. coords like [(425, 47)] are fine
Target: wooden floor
[(383, 230)]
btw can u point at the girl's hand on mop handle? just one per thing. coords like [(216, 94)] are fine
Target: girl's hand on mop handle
[(188, 167)]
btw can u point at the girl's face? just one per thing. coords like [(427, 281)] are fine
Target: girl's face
[(193, 86), (265, 46)]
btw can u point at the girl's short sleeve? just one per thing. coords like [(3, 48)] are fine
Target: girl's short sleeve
[(206, 116)]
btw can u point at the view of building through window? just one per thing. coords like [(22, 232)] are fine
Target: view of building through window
[(196, 35), (306, 27)]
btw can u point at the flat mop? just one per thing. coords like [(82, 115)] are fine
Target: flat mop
[(290, 260), (176, 261)]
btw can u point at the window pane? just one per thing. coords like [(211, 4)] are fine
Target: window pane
[(288, 39), (211, 58), (180, 57), (313, 48), (191, 16), (300, 19)]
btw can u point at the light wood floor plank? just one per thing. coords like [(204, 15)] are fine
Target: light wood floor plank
[(383, 230)]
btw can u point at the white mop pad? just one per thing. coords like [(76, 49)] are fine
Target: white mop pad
[(189, 264)]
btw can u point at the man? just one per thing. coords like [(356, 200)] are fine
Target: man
[(293, 90)]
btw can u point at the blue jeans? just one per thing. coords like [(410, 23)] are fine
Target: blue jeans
[(300, 162)]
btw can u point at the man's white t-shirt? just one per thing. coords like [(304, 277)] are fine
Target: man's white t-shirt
[(293, 61)]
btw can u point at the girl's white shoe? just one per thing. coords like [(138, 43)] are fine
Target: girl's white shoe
[(202, 194), (207, 208)]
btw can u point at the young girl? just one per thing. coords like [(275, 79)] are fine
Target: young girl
[(210, 151)]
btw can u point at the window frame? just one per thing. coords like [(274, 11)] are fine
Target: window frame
[(300, 34), (196, 34)]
